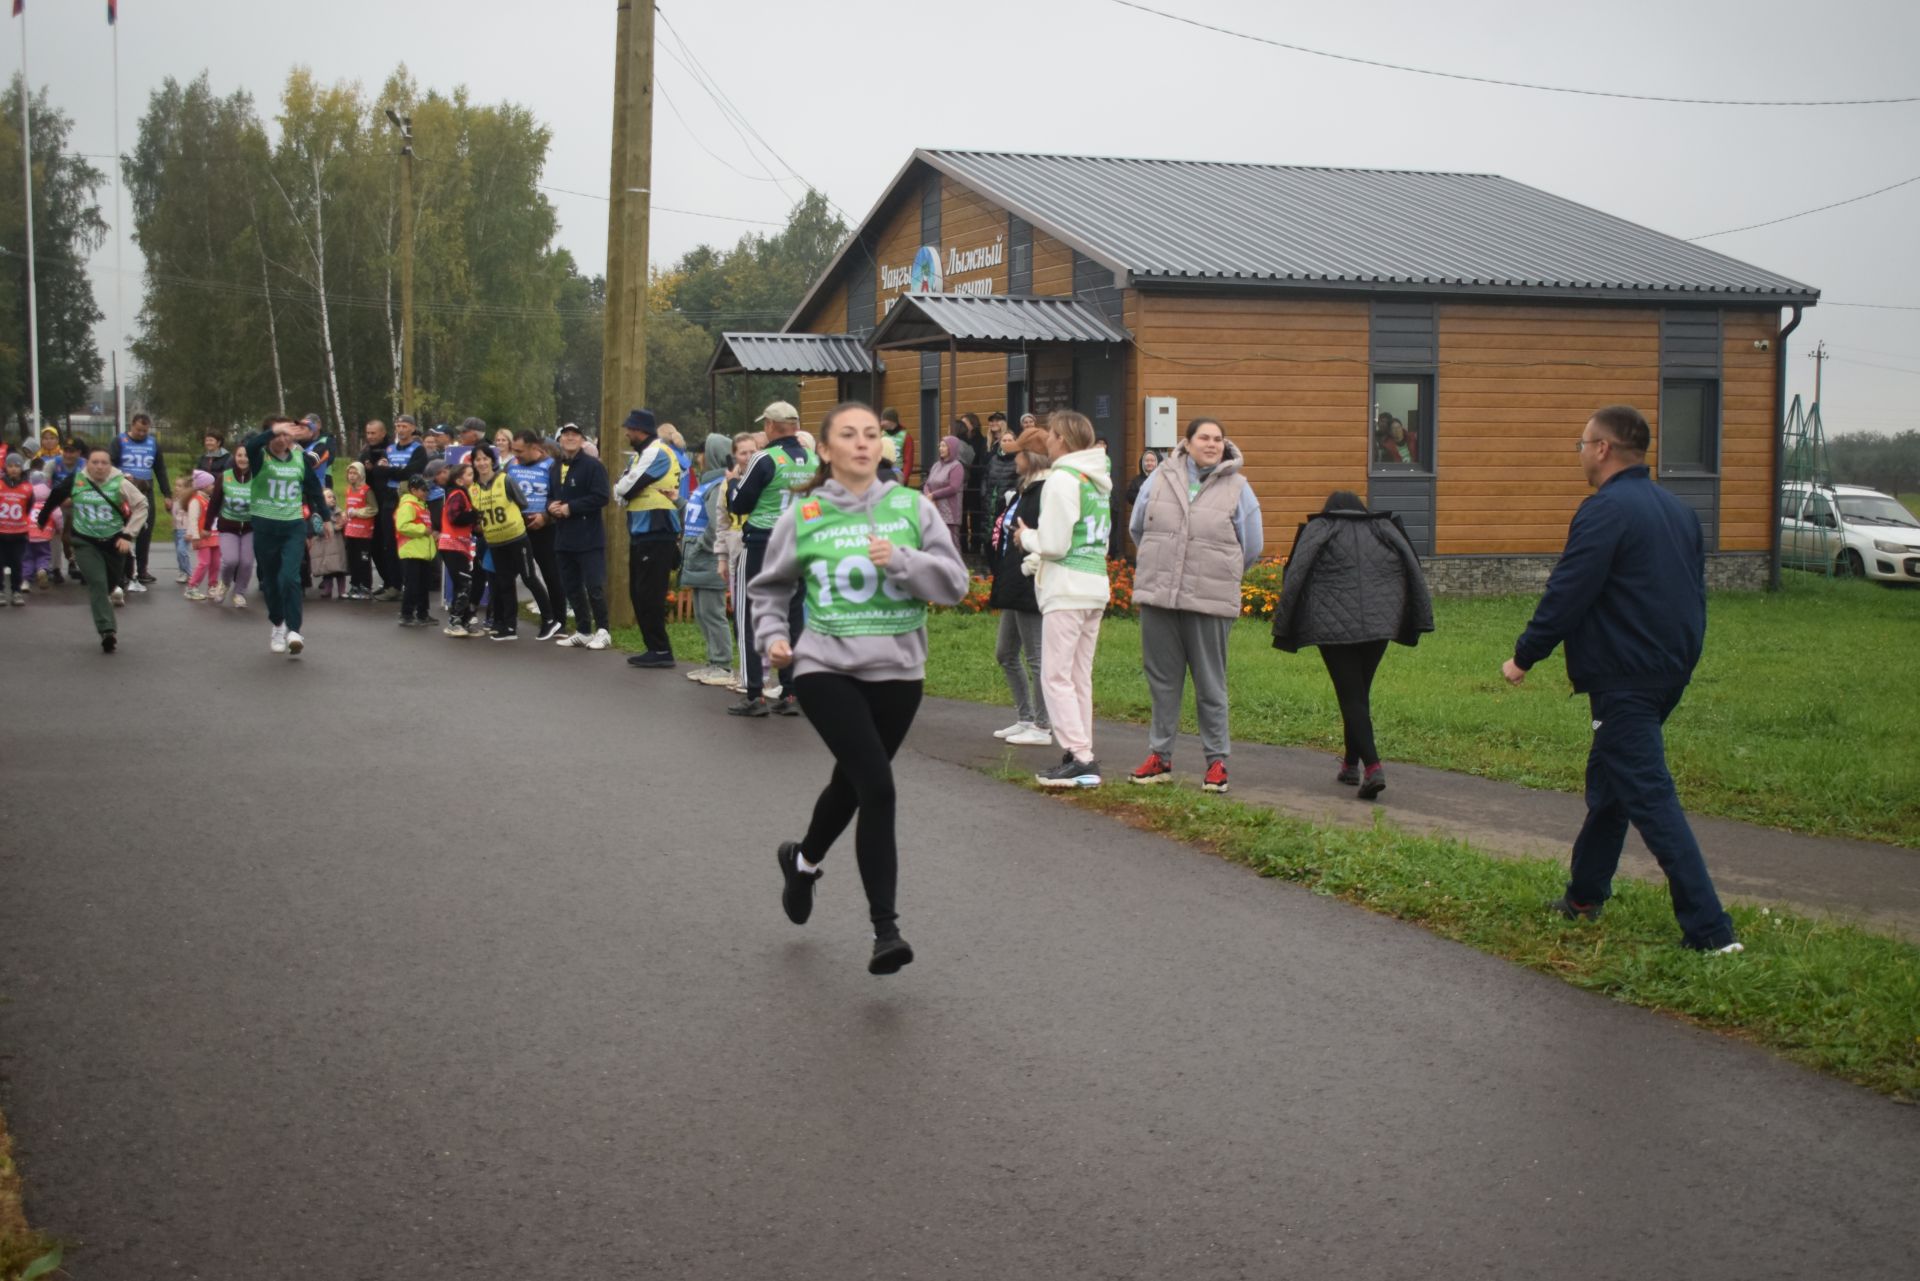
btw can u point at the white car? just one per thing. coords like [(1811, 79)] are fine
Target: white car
[(1859, 532)]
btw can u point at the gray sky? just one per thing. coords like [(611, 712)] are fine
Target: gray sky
[(845, 89)]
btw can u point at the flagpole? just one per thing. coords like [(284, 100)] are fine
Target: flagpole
[(119, 279), (26, 164)]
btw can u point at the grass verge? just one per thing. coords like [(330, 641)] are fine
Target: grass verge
[(1831, 996), (24, 1253)]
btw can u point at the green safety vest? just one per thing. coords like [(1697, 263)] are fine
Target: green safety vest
[(97, 510), (236, 498), (1092, 531), (788, 471), (847, 594), (276, 488)]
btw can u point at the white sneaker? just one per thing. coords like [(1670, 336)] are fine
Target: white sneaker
[(184, 578), (295, 644), (1731, 947), (698, 673), (1031, 736), (1010, 730), (578, 640), (239, 601), (118, 596), (717, 676), (217, 593), (772, 691), (136, 586), (277, 641), (601, 639)]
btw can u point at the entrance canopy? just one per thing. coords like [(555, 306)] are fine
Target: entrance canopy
[(787, 355), (974, 322)]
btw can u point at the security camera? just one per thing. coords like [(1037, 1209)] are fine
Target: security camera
[(1762, 344)]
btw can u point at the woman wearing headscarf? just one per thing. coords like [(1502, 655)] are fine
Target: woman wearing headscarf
[(1353, 584), (946, 484)]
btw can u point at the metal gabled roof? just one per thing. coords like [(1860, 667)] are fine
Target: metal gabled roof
[(982, 322), (789, 354)]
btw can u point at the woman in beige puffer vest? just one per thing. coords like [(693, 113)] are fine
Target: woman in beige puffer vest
[(1197, 525)]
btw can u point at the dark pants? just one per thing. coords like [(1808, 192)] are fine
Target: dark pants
[(101, 565), (459, 567), (416, 579), (360, 563), (503, 597), (544, 568), (1352, 668), (279, 546), (13, 557), (650, 564), (863, 724), (143, 541), (1628, 782), (756, 553), (386, 552), (583, 579)]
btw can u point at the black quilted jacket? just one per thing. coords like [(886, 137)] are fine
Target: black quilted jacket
[(1353, 577)]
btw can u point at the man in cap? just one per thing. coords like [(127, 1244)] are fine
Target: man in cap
[(579, 491), (764, 492), (650, 489)]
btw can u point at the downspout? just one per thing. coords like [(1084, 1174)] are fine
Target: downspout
[(1779, 447)]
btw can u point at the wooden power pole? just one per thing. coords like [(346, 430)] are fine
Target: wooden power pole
[(405, 125), (623, 366)]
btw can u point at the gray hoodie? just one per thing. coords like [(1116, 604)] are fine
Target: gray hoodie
[(933, 573)]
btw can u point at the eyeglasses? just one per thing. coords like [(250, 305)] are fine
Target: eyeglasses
[(1583, 442)]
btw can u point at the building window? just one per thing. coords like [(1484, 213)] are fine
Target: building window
[(1689, 426), (1402, 424)]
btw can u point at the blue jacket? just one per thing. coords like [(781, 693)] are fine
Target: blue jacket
[(1629, 596)]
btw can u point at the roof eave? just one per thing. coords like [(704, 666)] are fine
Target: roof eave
[(1595, 293)]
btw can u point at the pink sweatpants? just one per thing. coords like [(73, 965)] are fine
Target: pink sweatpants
[(1067, 638), (206, 569)]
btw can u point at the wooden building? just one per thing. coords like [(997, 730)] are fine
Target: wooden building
[(1431, 341)]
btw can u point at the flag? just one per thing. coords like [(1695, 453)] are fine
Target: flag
[(18, 5), (113, 11)]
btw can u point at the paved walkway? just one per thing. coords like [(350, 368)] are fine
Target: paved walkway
[(428, 960)]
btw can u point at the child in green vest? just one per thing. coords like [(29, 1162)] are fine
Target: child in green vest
[(869, 556)]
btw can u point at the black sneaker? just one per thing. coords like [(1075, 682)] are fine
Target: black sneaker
[(511, 634), (1576, 911), (652, 658), (429, 620), (1374, 783), (786, 707), (889, 955), (548, 631), (107, 642), (1070, 773), (1349, 772), (145, 577), (749, 706), (797, 894)]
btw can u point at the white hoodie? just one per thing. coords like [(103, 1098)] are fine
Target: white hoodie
[(1057, 586)]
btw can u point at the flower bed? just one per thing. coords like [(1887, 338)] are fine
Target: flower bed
[(1259, 591)]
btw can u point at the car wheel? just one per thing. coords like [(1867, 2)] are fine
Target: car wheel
[(1850, 565)]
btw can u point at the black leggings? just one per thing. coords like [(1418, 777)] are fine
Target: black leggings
[(360, 563), (459, 567), (1352, 668), (13, 558), (863, 724)]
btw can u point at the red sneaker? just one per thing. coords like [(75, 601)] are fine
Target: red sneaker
[(1155, 769), (1216, 779)]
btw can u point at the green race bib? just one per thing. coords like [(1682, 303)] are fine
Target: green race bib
[(276, 489), (1092, 532), (96, 508), (847, 594), (775, 498)]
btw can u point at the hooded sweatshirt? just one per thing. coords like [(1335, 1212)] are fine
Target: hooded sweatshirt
[(1059, 586), (933, 573)]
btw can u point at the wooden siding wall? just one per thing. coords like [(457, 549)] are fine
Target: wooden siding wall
[(1516, 385), (1287, 377), (1748, 413), (1052, 266), (968, 221)]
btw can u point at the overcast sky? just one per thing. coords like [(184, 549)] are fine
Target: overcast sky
[(844, 90)]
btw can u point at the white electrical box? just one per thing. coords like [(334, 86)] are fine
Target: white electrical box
[(1163, 422)]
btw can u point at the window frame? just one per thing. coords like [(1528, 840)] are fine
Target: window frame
[(1429, 395), (1710, 427)]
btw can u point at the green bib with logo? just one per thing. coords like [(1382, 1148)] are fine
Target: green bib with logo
[(788, 471), (847, 594), (1093, 531), (276, 489), (236, 498), (97, 511)]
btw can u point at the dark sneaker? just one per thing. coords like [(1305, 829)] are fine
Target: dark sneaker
[(652, 658), (145, 577), (788, 707), (1349, 772), (749, 707), (1155, 769), (549, 630), (107, 642), (889, 955), (1374, 783), (1070, 773), (1576, 911), (797, 894), (1216, 779)]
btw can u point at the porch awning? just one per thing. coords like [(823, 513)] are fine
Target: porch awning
[(974, 322), (805, 355)]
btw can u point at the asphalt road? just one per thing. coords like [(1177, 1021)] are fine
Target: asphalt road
[(426, 959)]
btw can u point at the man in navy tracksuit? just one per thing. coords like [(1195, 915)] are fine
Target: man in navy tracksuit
[(1629, 598)]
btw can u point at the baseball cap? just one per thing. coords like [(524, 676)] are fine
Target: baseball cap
[(779, 412), (571, 427)]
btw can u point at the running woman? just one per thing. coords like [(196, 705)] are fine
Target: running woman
[(232, 505), (108, 513), (502, 523), (869, 556), (281, 481)]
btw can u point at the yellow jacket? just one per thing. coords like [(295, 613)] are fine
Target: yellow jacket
[(413, 527)]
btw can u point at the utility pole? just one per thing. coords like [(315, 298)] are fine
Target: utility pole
[(33, 303), (623, 365), (1819, 357), (405, 125)]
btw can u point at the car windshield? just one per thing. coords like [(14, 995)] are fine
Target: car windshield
[(1877, 509)]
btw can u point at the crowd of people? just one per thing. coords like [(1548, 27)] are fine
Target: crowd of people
[(830, 562)]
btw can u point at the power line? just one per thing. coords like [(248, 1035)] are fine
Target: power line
[(1870, 364), (1874, 306), (1850, 200), (1513, 84), (695, 213), (699, 142)]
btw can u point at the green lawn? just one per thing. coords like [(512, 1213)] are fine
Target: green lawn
[(1912, 501), (1800, 716)]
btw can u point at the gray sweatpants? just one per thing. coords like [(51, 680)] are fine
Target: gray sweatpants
[(1174, 642), (710, 611), (1020, 638)]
